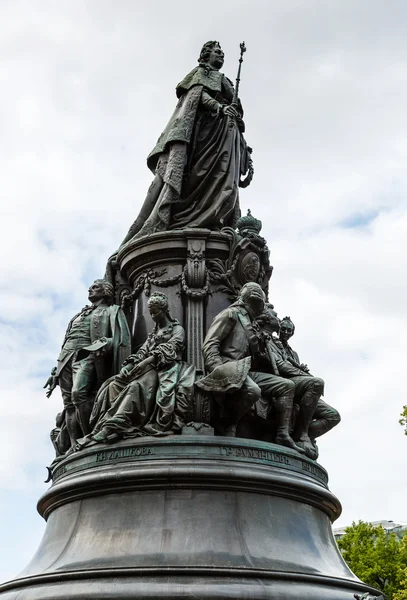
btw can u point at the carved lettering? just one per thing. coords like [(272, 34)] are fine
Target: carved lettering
[(312, 470), (136, 451), (273, 457), (268, 455)]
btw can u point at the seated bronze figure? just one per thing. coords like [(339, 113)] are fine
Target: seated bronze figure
[(152, 394)]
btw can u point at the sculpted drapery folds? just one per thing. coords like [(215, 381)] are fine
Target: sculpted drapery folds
[(257, 381), (200, 156), (311, 417), (96, 343), (239, 372), (152, 394), (323, 417)]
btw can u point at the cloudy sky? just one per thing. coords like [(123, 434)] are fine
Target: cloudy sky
[(88, 85)]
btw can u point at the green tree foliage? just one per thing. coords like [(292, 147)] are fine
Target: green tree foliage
[(377, 558), (402, 592), (403, 420)]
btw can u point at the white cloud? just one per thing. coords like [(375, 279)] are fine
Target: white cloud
[(87, 89)]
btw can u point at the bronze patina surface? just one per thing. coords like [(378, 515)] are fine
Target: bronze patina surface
[(186, 456), (206, 517)]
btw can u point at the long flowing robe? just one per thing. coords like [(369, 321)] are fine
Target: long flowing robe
[(197, 161), (158, 401)]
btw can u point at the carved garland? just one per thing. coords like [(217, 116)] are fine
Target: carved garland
[(195, 293), (144, 283), (217, 273)]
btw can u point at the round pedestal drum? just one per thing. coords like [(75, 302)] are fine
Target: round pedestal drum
[(187, 517)]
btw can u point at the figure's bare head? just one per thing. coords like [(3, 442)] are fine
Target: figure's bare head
[(158, 306), (253, 295), (287, 329), (269, 319), (101, 290), (212, 54)]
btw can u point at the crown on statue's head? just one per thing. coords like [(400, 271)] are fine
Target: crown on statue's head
[(249, 224)]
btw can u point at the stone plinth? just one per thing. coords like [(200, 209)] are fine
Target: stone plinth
[(176, 263), (200, 271), (201, 517)]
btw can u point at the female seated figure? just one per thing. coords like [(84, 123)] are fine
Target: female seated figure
[(152, 394)]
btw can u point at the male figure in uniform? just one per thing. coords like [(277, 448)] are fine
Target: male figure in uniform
[(315, 417), (96, 343), (307, 389), (237, 369)]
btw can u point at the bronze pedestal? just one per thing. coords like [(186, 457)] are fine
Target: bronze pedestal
[(187, 516)]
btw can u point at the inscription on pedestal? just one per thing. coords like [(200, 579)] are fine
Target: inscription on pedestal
[(314, 471), (195, 452), (254, 453), (124, 453)]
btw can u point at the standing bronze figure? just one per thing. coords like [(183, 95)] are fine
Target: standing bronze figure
[(200, 156), (194, 474), (96, 343)]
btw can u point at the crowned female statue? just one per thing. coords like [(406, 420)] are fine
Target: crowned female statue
[(152, 394), (200, 156)]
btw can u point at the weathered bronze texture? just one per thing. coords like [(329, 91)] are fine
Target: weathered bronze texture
[(248, 260), (51, 383), (239, 70), (202, 268), (96, 343), (203, 517), (323, 417), (193, 473), (237, 362), (152, 394), (194, 186), (201, 272)]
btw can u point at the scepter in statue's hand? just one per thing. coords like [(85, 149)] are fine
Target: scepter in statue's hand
[(236, 92), (233, 109), (235, 103)]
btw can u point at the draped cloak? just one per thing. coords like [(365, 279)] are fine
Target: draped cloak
[(197, 161), (109, 322), (158, 401)]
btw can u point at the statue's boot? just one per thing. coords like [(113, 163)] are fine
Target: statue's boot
[(316, 449), (83, 412), (301, 436), (310, 449), (101, 436), (72, 425), (284, 406), (106, 434)]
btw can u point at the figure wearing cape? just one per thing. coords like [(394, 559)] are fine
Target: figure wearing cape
[(105, 322), (100, 344), (198, 160), (234, 360)]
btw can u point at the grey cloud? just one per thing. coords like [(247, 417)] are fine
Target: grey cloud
[(87, 87)]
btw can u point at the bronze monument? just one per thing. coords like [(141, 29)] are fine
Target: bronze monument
[(185, 451)]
